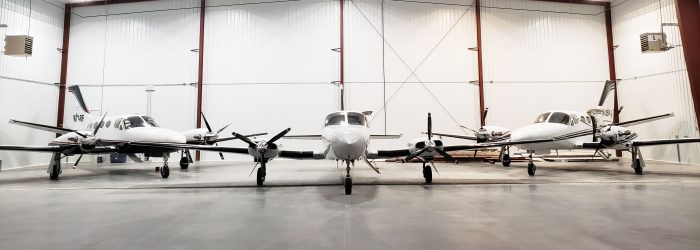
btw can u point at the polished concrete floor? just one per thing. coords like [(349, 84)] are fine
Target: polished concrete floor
[(471, 206)]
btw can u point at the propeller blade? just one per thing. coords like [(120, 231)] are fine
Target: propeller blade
[(278, 136), (486, 112), (206, 122), (414, 155), (234, 138), (78, 161), (254, 167), (430, 127), (222, 129), (435, 167), (245, 139), (446, 155), (372, 166), (99, 125), (220, 154)]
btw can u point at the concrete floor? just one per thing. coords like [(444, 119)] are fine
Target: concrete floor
[(214, 205)]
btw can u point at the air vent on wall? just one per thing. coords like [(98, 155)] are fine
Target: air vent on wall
[(653, 42), (19, 45)]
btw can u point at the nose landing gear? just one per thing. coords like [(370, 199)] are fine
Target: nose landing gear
[(531, 168), (262, 172), (165, 170), (348, 179), (427, 173)]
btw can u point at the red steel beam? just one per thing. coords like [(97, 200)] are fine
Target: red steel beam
[(688, 12), (611, 64), (480, 66), (64, 68), (342, 56), (576, 2), (106, 2), (200, 69)]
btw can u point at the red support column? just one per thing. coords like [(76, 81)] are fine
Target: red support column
[(200, 69), (477, 4), (611, 64), (688, 12), (342, 56), (64, 67)]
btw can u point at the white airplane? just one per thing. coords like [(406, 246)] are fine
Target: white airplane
[(115, 135), (582, 130), (346, 138)]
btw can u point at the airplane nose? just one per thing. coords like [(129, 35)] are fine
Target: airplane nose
[(348, 145), (169, 136)]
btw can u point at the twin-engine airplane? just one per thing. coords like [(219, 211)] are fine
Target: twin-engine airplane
[(346, 138), (109, 134), (581, 130)]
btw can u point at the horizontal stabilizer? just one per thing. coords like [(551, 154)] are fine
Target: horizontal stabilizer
[(42, 127), (645, 120)]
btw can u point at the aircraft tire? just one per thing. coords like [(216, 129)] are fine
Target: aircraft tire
[(531, 168), (428, 174), (165, 172), (506, 160), (638, 167), (348, 185), (260, 177)]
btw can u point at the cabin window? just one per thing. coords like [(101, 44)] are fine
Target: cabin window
[(335, 119), (150, 121), (560, 118), (117, 122), (90, 125), (542, 118), (357, 119), (108, 124)]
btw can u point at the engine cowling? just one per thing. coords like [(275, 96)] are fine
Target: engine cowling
[(488, 133), (88, 143), (612, 135)]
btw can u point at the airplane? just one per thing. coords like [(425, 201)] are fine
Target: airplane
[(103, 135), (345, 137), (591, 130)]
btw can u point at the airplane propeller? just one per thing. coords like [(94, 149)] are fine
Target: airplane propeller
[(208, 137), (93, 140), (262, 145), (430, 145)]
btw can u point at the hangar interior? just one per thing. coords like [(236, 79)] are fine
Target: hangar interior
[(262, 66), (401, 59)]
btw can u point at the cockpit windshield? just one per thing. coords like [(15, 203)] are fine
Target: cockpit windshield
[(150, 121), (542, 118), (134, 122), (349, 118), (559, 117)]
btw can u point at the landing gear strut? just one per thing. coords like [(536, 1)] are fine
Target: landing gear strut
[(185, 159), (262, 172), (505, 156), (427, 173), (165, 170), (637, 161), (348, 179), (54, 166), (531, 168)]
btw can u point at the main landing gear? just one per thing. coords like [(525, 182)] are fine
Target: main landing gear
[(165, 170), (637, 161), (505, 156), (262, 172), (185, 159), (54, 166), (427, 173), (531, 168), (348, 179)]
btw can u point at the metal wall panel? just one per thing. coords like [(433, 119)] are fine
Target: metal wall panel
[(541, 56), (119, 51), (654, 83), (269, 66), (27, 90), (430, 39)]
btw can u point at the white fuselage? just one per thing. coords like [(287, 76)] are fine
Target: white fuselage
[(345, 142)]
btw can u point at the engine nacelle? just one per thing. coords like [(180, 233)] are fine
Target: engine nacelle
[(612, 135), (488, 133), (88, 143)]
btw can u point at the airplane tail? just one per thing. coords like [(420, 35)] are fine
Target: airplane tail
[(79, 98), (82, 113)]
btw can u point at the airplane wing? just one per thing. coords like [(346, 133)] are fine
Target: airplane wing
[(303, 137), (41, 127), (494, 144), (643, 143), (644, 120), (380, 137), (32, 148), (457, 136), (191, 147), (65, 149), (297, 154)]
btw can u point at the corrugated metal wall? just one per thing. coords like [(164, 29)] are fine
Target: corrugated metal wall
[(541, 56), (119, 51), (27, 90), (269, 66), (654, 83), (431, 39)]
